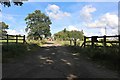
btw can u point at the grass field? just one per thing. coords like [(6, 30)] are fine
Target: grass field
[(65, 43), (10, 41), (79, 43)]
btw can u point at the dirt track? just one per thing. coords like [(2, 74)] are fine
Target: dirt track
[(52, 61)]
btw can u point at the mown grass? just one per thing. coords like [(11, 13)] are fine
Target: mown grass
[(108, 57), (4, 41), (67, 43), (14, 51)]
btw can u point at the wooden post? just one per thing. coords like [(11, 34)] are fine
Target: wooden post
[(119, 40), (70, 42), (7, 38), (104, 41), (92, 41), (75, 42), (16, 39), (84, 41), (24, 39)]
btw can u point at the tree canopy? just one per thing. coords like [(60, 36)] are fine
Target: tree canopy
[(38, 25), (66, 35), (8, 3), (4, 26)]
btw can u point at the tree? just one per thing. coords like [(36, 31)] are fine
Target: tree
[(66, 35), (4, 26), (8, 3), (38, 25)]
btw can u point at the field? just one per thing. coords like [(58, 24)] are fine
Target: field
[(5, 41), (65, 43), (79, 43)]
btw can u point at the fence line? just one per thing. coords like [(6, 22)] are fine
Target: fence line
[(6, 37), (104, 38)]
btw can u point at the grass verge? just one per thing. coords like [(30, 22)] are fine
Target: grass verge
[(13, 51), (106, 57)]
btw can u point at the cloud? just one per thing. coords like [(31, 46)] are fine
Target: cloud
[(86, 12), (109, 31), (119, 30), (12, 32), (102, 31), (71, 27), (107, 20), (0, 16), (15, 32), (90, 34), (54, 12)]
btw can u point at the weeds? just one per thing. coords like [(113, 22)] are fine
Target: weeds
[(108, 57), (13, 51)]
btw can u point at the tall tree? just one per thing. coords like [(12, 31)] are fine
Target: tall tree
[(66, 35), (38, 25), (4, 26)]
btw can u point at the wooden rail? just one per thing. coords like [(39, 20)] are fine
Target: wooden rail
[(15, 38), (94, 39)]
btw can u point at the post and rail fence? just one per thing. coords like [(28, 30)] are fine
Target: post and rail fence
[(104, 41), (13, 38)]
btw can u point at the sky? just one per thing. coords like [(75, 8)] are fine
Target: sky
[(91, 17)]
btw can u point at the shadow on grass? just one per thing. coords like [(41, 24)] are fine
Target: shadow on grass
[(108, 57), (48, 43), (13, 51)]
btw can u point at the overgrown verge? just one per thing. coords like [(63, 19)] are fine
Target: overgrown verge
[(106, 57), (13, 51)]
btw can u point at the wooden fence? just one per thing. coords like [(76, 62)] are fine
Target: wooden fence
[(94, 39), (13, 38)]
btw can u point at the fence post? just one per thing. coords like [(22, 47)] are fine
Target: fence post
[(16, 39), (24, 39), (92, 41), (119, 40), (75, 42), (7, 38), (70, 42), (84, 41), (104, 41)]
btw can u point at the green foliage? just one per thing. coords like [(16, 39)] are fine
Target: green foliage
[(4, 26), (7, 3), (43, 41), (38, 24), (36, 42), (66, 35)]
